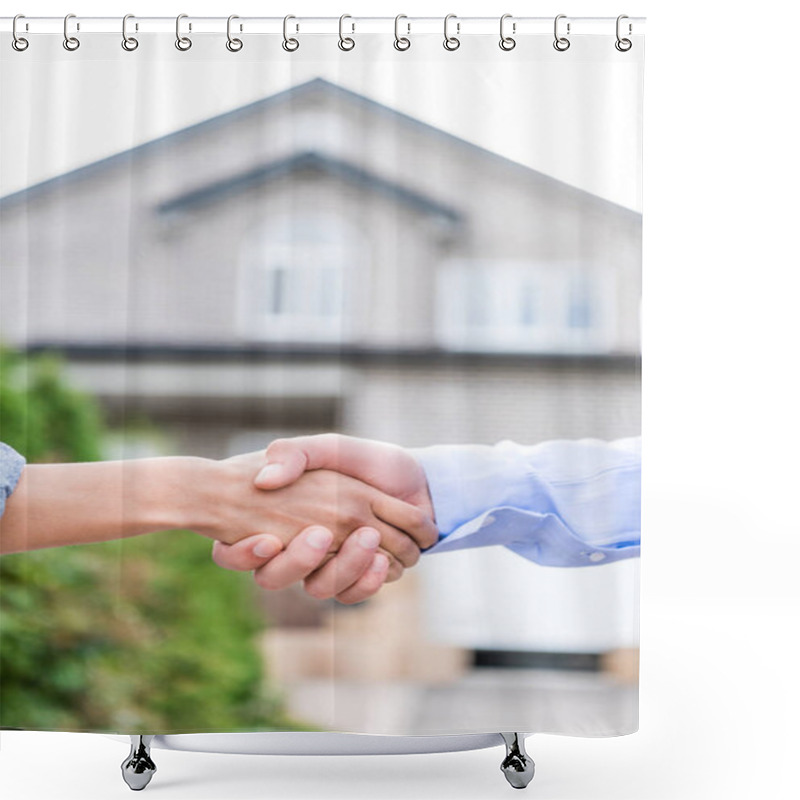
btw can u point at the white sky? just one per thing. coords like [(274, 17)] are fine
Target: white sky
[(573, 115)]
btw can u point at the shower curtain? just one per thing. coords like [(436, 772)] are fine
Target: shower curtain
[(216, 237)]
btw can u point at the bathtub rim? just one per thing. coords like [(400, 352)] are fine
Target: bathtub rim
[(321, 743)]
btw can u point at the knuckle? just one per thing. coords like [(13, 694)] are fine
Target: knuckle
[(217, 556), (409, 553), (351, 520), (363, 590), (277, 446), (317, 590), (306, 561), (395, 571), (418, 519), (349, 599), (432, 535), (266, 580)]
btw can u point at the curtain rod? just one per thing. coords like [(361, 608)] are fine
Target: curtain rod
[(461, 26)]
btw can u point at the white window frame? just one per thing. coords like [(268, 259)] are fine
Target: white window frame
[(499, 285), (309, 249)]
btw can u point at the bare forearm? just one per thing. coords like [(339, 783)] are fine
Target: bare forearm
[(64, 504)]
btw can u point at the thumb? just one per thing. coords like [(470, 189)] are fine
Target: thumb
[(285, 463)]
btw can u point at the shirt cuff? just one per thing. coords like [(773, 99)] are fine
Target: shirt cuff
[(466, 480), (11, 466)]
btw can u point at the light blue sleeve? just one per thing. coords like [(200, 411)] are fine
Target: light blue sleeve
[(11, 464), (565, 503)]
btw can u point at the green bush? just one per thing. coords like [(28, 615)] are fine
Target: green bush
[(133, 636)]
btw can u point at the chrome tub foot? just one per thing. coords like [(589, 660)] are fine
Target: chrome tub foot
[(517, 766), (138, 768)]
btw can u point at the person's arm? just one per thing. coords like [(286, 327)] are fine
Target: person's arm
[(562, 503), (11, 466), (62, 504), (558, 503)]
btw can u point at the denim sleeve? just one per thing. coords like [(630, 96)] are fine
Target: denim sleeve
[(559, 503), (11, 464)]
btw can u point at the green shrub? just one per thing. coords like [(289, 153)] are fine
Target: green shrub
[(139, 635)]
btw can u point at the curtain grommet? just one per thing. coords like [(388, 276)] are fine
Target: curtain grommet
[(346, 43), (234, 44), (71, 43), (289, 44), (561, 43), (183, 43), (129, 43), (623, 44), (19, 43), (451, 43), (507, 43), (401, 43)]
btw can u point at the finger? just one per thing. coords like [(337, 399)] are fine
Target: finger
[(368, 584), (246, 554), (285, 463), (396, 569), (301, 557), (403, 548), (407, 518), (353, 559), (364, 459)]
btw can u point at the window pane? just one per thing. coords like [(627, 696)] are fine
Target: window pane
[(528, 304), (478, 301), (277, 299), (579, 311), (329, 292), (295, 275)]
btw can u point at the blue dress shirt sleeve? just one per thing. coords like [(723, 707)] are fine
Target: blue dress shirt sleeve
[(564, 503), (11, 464)]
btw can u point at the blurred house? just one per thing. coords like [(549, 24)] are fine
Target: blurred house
[(319, 261)]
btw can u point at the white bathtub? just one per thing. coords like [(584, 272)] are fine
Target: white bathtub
[(138, 768), (293, 743)]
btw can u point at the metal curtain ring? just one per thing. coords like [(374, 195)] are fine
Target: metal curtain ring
[(623, 45), (401, 42), (18, 42), (506, 42), (129, 43), (289, 44), (451, 42), (561, 43), (183, 43), (233, 44), (71, 43), (345, 42)]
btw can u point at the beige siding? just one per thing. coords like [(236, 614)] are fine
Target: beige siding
[(91, 260), (419, 407)]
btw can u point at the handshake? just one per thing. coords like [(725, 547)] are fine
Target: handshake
[(344, 515), (341, 514)]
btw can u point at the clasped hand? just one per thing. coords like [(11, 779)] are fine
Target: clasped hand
[(345, 515)]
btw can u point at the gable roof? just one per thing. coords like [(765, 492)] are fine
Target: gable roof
[(300, 91), (308, 161)]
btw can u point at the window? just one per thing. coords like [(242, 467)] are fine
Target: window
[(524, 306), (580, 302), (294, 278)]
